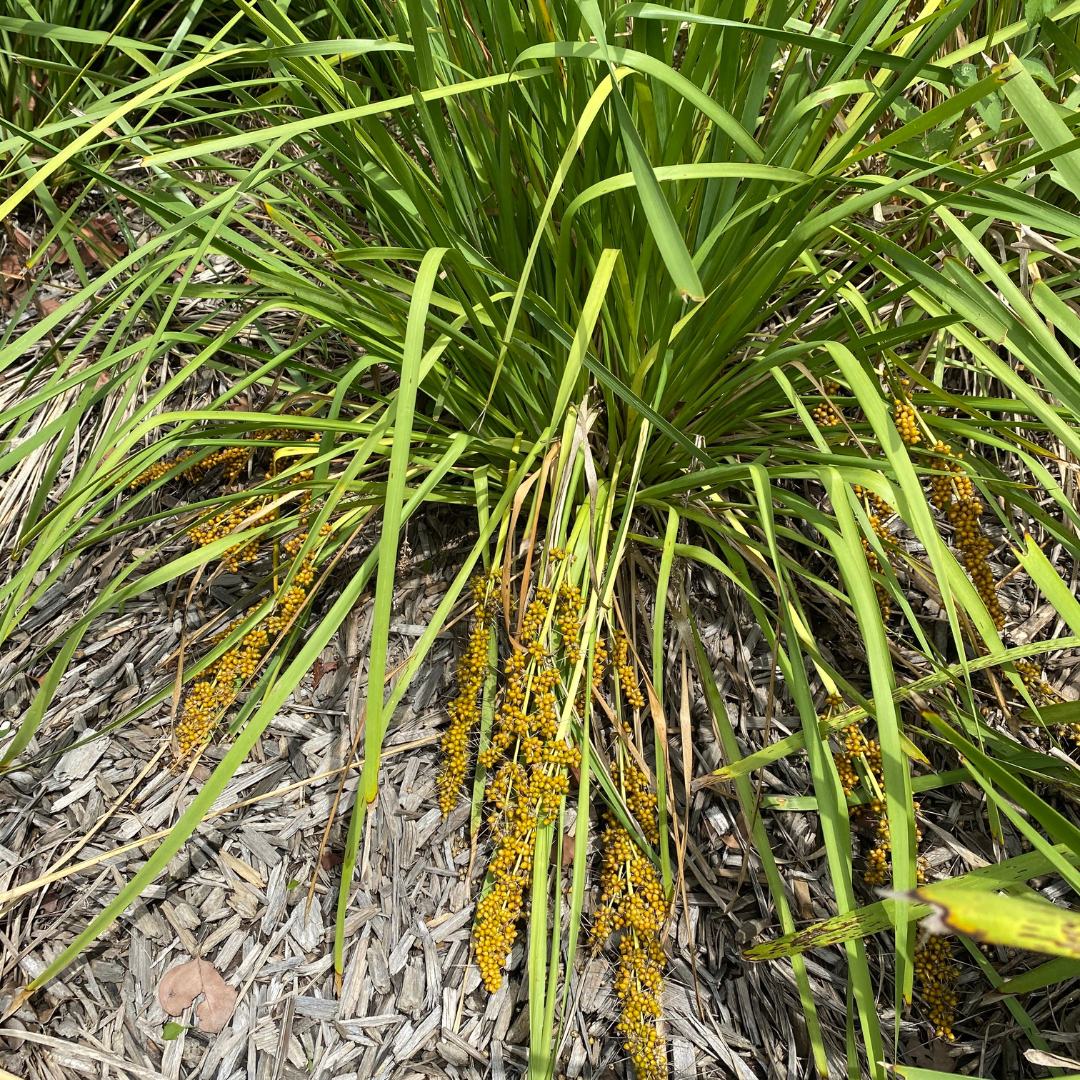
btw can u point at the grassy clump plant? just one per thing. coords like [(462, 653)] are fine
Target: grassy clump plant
[(641, 287)]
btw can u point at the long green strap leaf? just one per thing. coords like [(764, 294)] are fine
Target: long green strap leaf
[(657, 210)]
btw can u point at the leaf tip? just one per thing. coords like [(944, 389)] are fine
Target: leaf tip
[(17, 1002)]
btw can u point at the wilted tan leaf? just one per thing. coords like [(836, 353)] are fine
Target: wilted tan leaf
[(182, 984), (49, 306)]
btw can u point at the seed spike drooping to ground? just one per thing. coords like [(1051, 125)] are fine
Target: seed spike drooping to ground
[(215, 691), (464, 710), (952, 491), (528, 765), (233, 458), (528, 762), (856, 746), (526, 789), (632, 902), (937, 975)]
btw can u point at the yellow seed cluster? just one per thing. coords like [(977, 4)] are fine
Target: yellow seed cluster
[(596, 674), (974, 547), (906, 418), (937, 974), (568, 605), (625, 672), (292, 599), (498, 912), (148, 476), (530, 766), (876, 507), (825, 414), (641, 802), (600, 659), (464, 710), (878, 511), (205, 702), (1042, 693), (240, 663), (159, 469), (216, 690), (855, 746), (233, 458), (949, 481), (855, 743), (952, 491), (1030, 672), (632, 901), (221, 525), (535, 615)]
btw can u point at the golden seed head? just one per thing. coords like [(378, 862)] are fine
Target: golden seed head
[(937, 974), (632, 901), (905, 419)]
